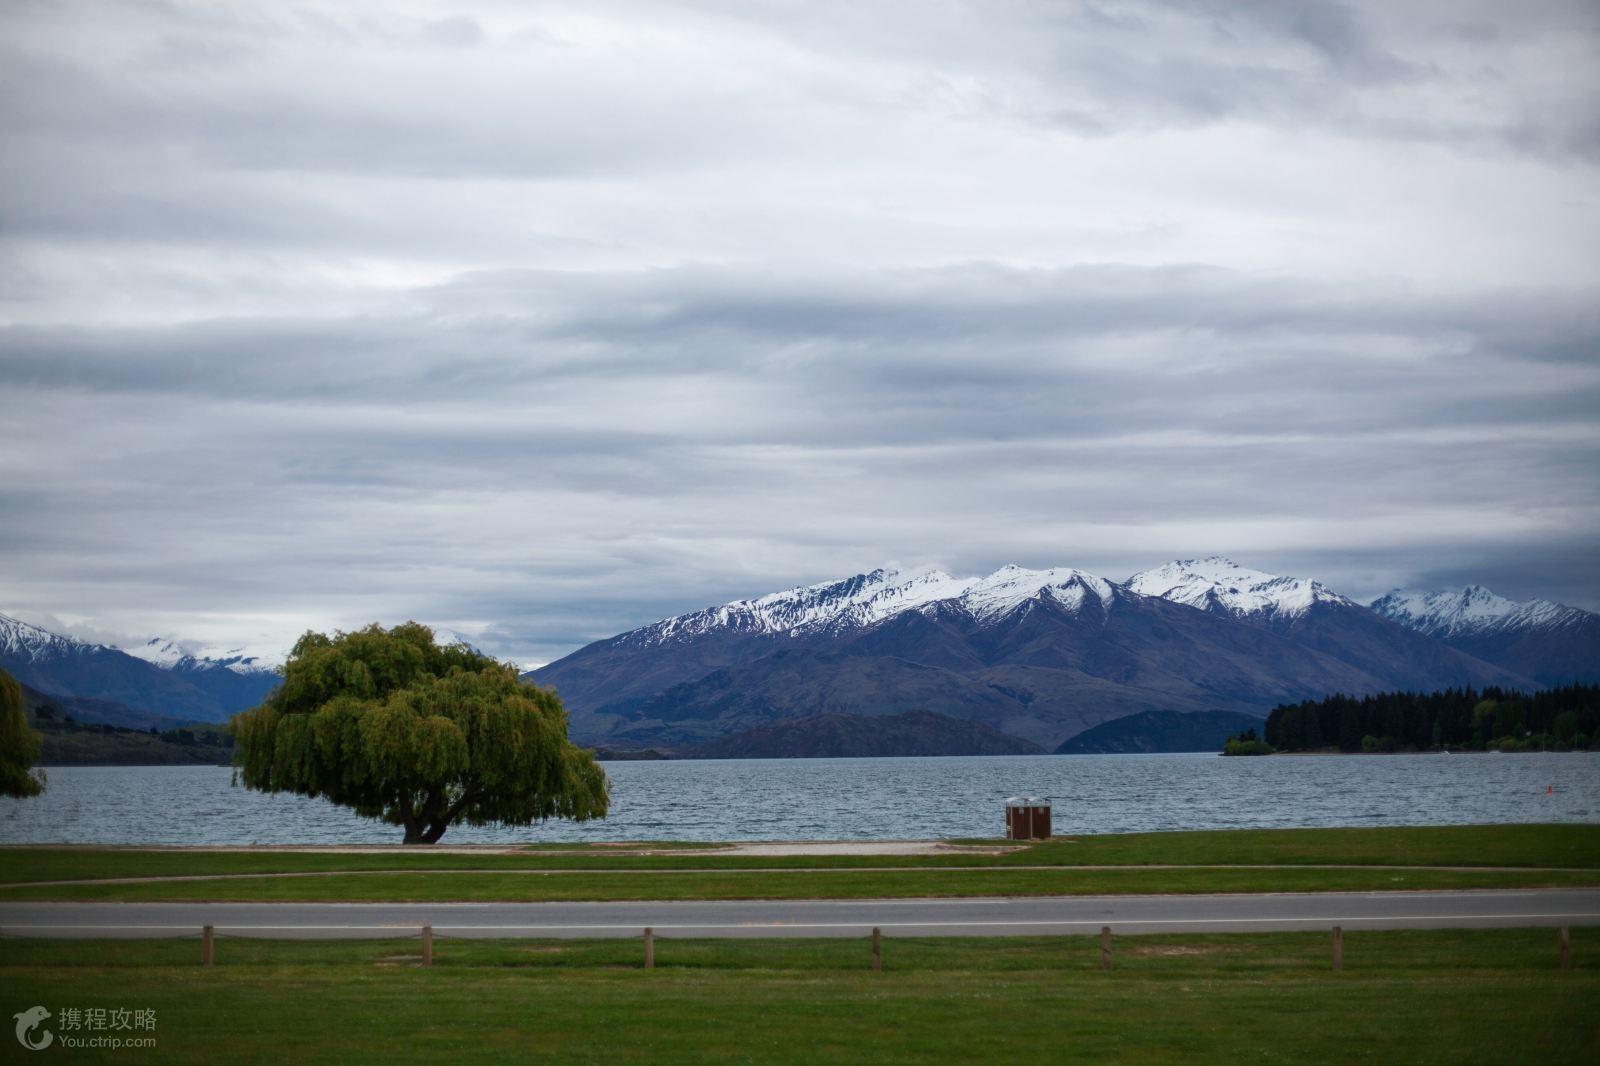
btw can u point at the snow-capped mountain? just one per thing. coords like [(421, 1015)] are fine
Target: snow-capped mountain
[(1472, 609), (1223, 585), (25, 642), (1549, 642), (234, 679), (1313, 615), (128, 689), (187, 656), (169, 653), (97, 682), (1041, 654)]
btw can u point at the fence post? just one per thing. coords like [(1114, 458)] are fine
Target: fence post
[(1338, 948), (1105, 947), (649, 948), (1566, 948), (877, 949), (207, 946), (427, 945)]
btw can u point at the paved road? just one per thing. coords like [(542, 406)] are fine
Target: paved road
[(1017, 916)]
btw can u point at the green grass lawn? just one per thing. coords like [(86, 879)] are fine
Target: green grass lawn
[(1230, 861), (1436, 996)]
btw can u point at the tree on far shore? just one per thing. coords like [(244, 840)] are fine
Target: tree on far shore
[(20, 744), (397, 728)]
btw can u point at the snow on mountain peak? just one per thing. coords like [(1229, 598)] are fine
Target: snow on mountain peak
[(869, 598), (1220, 582), (171, 653), (161, 651), (19, 638), (1010, 586), (855, 601), (1473, 608)]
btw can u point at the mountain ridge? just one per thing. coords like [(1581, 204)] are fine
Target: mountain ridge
[(1541, 639), (1039, 654)]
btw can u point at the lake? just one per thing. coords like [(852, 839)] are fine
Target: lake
[(860, 799)]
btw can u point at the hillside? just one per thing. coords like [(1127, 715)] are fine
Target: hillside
[(70, 741), (834, 736), (1152, 732)]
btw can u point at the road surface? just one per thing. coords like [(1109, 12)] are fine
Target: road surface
[(1011, 916)]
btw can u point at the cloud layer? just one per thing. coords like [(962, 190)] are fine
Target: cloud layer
[(542, 322)]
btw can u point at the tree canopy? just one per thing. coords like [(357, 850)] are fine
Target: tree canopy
[(20, 744), (390, 724), (1562, 718)]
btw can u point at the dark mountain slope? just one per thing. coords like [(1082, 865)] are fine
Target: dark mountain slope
[(834, 736), (1153, 732)]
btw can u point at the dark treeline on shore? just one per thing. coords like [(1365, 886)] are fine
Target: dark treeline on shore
[(1557, 719), (68, 742)]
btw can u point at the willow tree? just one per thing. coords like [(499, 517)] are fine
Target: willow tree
[(388, 723), (20, 744)]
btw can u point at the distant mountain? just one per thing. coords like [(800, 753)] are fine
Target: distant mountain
[(96, 712), (1161, 731), (162, 681), (1304, 611), (73, 737), (235, 681), (835, 736), (1037, 654), (63, 666), (1548, 642)]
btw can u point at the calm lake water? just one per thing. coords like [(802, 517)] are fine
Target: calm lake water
[(860, 799)]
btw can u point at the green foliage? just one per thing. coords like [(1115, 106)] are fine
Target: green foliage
[(1247, 743), (19, 744), (1556, 719), (389, 724)]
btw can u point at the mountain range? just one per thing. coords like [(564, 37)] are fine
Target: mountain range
[(1041, 655), (160, 682), (156, 684), (1547, 642)]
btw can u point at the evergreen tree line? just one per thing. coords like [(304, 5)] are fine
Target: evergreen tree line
[(1557, 719)]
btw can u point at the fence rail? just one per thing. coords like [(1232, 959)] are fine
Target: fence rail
[(208, 935)]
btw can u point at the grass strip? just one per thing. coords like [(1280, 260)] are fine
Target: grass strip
[(1426, 996), (1563, 846)]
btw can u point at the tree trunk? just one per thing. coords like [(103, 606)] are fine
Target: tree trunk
[(435, 831), (427, 824)]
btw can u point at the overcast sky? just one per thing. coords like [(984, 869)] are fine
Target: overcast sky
[(542, 322)]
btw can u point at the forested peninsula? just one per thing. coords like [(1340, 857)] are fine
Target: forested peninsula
[(1465, 719)]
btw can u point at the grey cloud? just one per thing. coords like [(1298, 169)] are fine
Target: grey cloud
[(543, 329), (458, 31), (974, 328), (999, 390)]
